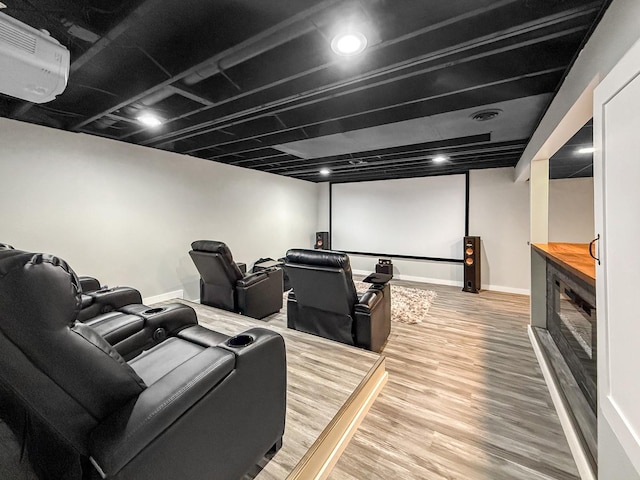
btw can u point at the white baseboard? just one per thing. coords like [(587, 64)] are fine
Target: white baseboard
[(500, 288), (579, 455), (163, 297), (411, 278), (452, 283), (437, 281)]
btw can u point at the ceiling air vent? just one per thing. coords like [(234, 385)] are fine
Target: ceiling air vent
[(484, 115)]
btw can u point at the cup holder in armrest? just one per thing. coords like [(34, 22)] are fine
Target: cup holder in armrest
[(240, 341), (151, 311)]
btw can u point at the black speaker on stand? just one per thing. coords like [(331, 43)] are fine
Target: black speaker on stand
[(322, 241), (471, 264), (385, 266)]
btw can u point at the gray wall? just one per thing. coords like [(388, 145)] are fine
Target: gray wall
[(499, 214), (127, 214), (93, 201), (571, 217)]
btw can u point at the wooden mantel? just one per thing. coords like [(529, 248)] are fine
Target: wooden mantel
[(572, 256)]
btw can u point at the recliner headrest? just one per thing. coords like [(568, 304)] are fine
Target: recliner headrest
[(46, 279), (219, 248), (211, 246), (324, 258)]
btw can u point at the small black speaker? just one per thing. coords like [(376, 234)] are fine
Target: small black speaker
[(322, 241), (385, 266), (471, 264)]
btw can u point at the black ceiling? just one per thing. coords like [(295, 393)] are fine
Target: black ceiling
[(569, 161), (254, 83)]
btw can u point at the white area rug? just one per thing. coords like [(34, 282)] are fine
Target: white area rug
[(408, 305)]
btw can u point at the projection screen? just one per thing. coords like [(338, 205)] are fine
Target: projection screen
[(413, 217)]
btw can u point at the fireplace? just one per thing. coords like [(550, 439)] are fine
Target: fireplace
[(565, 329), (572, 325), (572, 330)]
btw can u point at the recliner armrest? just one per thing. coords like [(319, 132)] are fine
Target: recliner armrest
[(107, 300), (252, 278), (369, 300), (89, 284), (260, 294), (123, 435), (373, 317), (116, 297)]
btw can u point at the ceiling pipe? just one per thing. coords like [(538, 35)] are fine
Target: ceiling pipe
[(278, 37), (158, 96), (250, 51), (105, 122), (254, 42)]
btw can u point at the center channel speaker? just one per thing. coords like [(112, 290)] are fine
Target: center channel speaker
[(322, 241), (471, 264)]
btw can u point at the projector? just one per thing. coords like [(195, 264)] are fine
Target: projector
[(34, 66)]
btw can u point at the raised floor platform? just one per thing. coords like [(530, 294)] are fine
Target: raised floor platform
[(330, 389)]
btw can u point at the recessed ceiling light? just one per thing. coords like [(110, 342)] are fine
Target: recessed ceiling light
[(325, 171), (439, 159), (349, 44), (584, 150), (149, 120)]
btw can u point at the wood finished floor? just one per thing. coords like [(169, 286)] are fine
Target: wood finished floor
[(465, 399), (321, 375)]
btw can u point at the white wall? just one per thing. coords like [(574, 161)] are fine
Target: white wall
[(571, 216), (324, 207), (499, 214), (128, 214)]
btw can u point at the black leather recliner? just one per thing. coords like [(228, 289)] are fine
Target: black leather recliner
[(118, 315), (324, 300), (223, 285), (199, 405), (98, 299)]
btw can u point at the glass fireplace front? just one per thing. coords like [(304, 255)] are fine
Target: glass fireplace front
[(572, 325)]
